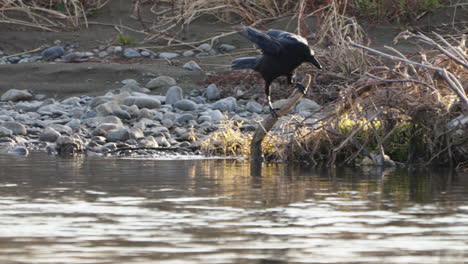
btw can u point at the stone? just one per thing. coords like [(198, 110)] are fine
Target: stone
[(132, 87), (142, 102), (114, 49), (5, 132), (307, 105), (161, 82), (162, 142), (174, 94), (129, 81), (145, 53), (102, 129), (167, 123), (216, 116), (15, 127), (133, 110), (73, 57), (148, 142), (52, 53), (185, 105), (99, 100), (226, 47), (200, 100), (204, 47), (145, 113), (49, 135), (119, 134), (30, 59), (278, 104), (122, 114), (184, 118), (212, 92), (204, 118), (135, 133), (192, 66), (20, 151), (62, 128), (51, 109), (130, 53), (225, 105), (15, 95), (104, 109), (74, 124), (254, 107), (96, 121), (168, 55), (188, 53), (103, 54), (69, 146), (73, 101)]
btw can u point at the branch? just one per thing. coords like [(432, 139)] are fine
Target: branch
[(452, 81), (270, 120)]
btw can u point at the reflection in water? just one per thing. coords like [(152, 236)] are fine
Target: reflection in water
[(96, 210)]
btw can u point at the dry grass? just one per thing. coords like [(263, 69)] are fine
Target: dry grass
[(406, 110), (48, 15)]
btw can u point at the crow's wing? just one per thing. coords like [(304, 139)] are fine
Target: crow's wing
[(266, 43), (284, 36)]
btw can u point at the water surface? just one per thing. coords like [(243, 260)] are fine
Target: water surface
[(105, 210)]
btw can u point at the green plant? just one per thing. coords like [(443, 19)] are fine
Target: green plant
[(123, 39)]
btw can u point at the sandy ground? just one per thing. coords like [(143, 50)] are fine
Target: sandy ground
[(66, 79)]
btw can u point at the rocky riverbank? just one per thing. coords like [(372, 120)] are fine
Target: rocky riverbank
[(125, 121)]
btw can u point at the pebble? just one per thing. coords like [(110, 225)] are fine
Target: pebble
[(130, 53), (226, 47), (307, 105), (15, 95), (118, 134), (161, 82), (15, 127), (168, 55), (174, 94), (204, 47), (103, 54), (5, 132), (145, 53), (49, 135), (114, 49), (254, 107), (53, 52), (69, 146), (20, 151), (188, 53), (225, 105), (142, 102), (212, 92), (192, 66), (186, 105)]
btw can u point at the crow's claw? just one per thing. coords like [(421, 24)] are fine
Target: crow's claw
[(301, 88), (273, 112)]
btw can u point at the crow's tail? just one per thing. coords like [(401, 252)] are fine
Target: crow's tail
[(244, 63)]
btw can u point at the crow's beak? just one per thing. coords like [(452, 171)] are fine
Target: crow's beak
[(315, 62)]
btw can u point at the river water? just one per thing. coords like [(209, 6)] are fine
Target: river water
[(107, 210)]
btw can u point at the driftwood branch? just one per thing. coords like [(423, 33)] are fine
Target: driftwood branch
[(451, 80), (460, 58), (270, 120)]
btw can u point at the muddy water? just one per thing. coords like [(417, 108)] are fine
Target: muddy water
[(97, 210)]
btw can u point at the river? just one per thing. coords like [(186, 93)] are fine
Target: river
[(108, 210)]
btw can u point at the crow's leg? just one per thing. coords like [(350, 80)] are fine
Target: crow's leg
[(289, 78), (296, 83), (270, 105)]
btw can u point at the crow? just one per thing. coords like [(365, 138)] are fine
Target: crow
[(282, 53)]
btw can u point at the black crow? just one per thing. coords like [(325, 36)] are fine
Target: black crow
[(282, 53)]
